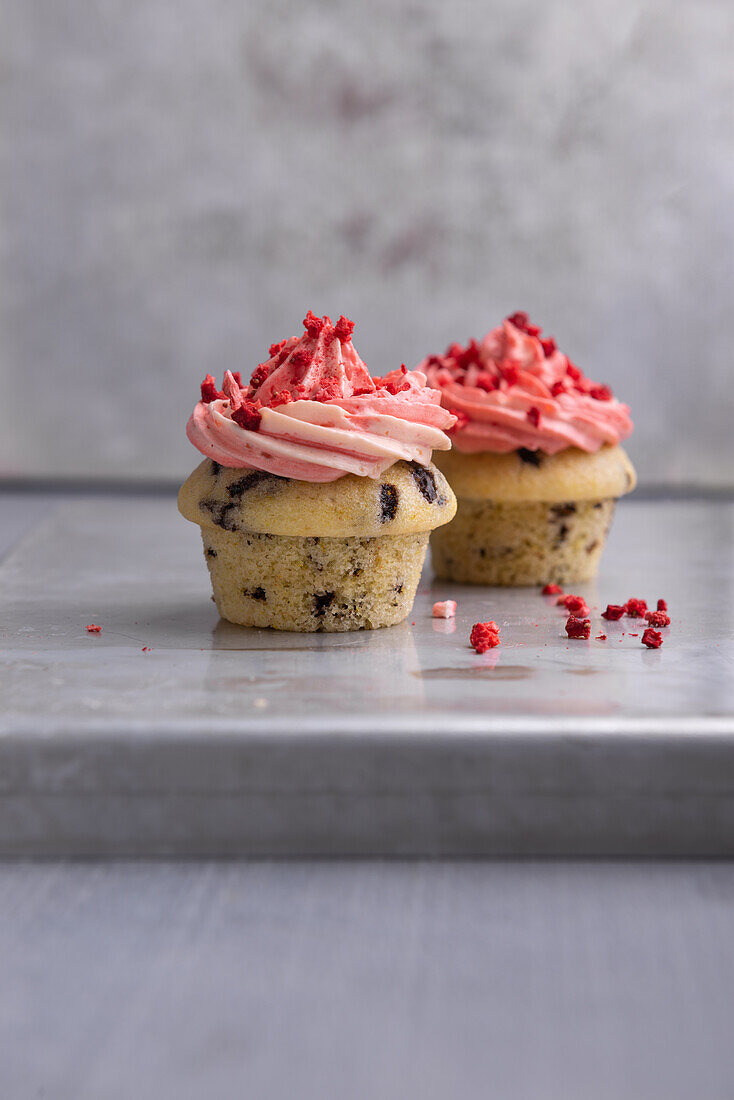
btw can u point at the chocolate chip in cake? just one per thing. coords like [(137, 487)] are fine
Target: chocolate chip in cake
[(388, 502), (562, 534), (249, 481), (255, 593), (599, 504), (560, 511), (532, 458), (215, 468), (210, 552), (221, 513), (322, 600), (425, 481)]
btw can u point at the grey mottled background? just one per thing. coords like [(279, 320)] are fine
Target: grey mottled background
[(180, 181)]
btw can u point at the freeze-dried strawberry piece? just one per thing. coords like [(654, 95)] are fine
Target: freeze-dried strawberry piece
[(344, 329), (260, 373), (93, 628), (653, 639), (557, 389), (613, 612), (575, 604), (549, 346), (313, 324), (533, 415), (444, 609), (248, 416), (282, 398), (487, 382), (552, 590), (578, 628), (484, 636), (657, 618), (662, 605), (635, 609), (209, 391), (601, 393)]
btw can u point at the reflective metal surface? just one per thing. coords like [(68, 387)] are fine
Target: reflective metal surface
[(174, 732)]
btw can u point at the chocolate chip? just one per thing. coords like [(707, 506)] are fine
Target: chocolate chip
[(215, 468), (398, 587), (533, 458), (562, 534), (388, 502), (249, 481), (322, 600), (220, 513), (357, 571), (559, 511), (255, 593), (210, 553), (425, 481), (599, 505)]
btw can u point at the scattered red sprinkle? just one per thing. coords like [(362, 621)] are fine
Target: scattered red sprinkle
[(601, 393), (313, 324), (549, 346), (613, 612), (93, 628), (552, 590), (209, 391), (259, 375), (396, 385), (248, 416), (635, 608), (662, 605), (601, 637), (484, 636), (558, 388), (487, 382), (657, 618), (578, 628), (522, 322), (510, 374), (653, 639), (573, 371), (575, 604), (282, 398), (344, 328), (634, 635), (275, 348), (533, 415)]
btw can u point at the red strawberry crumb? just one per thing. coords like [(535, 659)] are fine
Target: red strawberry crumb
[(275, 348), (209, 391), (573, 371), (575, 604), (248, 416), (259, 375), (93, 628), (484, 636), (461, 420), (510, 374), (662, 605), (635, 608), (552, 590), (549, 346), (487, 382), (578, 628), (329, 390), (601, 637), (653, 639), (519, 319), (613, 612), (657, 618), (282, 398), (600, 393), (533, 415), (634, 635), (313, 324), (557, 389), (344, 328), (145, 649)]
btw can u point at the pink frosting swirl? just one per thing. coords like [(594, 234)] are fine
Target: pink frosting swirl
[(514, 389), (313, 412)]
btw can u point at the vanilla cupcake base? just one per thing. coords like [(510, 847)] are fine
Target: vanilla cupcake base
[(522, 544), (313, 583)]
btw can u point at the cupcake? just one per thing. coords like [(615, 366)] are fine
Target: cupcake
[(317, 494), (536, 463)]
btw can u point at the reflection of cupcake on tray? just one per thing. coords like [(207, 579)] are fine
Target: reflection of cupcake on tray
[(536, 463), (317, 495)]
